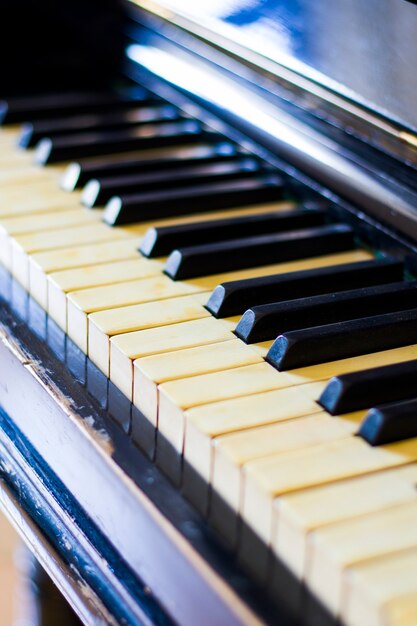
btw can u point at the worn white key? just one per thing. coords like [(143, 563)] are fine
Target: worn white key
[(387, 595), (268, 478), (296, 515), (149, 372), (25, 245), (138, 316), (42, 263), (177, 396), (335, 548), (125, 348), (103, 328), (61, 283), (204, 423), (401, 611), (232, 452), (32, 202), (28, 174), (40, 223), (382, 591), (129, 296)]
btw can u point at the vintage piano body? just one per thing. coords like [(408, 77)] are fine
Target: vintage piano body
[(323, 92)]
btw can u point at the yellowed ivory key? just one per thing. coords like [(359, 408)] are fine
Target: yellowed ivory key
[(276, 475), (382, 591), (72, 280), (297, 514), (340, 546)]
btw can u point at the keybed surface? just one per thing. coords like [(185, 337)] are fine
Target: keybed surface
[(177, 275)]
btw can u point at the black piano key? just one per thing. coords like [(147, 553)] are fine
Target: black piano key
[(227, 256), (161, 241), (33, 132), (362, 390), (38, 107), (202, 198), (79, 174), (390, 422), (234, 297), (331, 342), (97, 193), (81, 145), (267, 321)]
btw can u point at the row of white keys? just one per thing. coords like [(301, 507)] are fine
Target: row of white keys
[(194, 412), (235, 451), (11, 227), (208, 423), (87, 300), (342, 527), (334, 549), (268, 479), (382, 592)]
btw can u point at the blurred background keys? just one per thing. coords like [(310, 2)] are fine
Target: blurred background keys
[(98, 193), (32, 132), (146, 137), (45, 106), (80, 173), (204, 198)]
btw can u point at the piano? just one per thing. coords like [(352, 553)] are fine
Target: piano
[(209, 312)]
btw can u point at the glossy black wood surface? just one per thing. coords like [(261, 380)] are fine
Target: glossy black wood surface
[(363, 51), (350, 153)]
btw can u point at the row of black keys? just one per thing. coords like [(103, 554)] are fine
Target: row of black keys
[(204, 170), (318, 315), (338, 322), (313, 325)]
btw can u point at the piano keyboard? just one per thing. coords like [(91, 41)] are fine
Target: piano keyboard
[(239, 334)]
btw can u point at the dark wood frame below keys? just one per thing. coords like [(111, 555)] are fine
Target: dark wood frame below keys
[(134, 547)]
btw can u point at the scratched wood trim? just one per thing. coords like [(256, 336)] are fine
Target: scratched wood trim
[(84, 601), (174, 555)]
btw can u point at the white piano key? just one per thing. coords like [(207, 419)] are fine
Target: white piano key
[(300, 513), (340, 546), (149, 372), (65, 281), (42, 263), (382, 591), (232, 452), (268, 478)]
